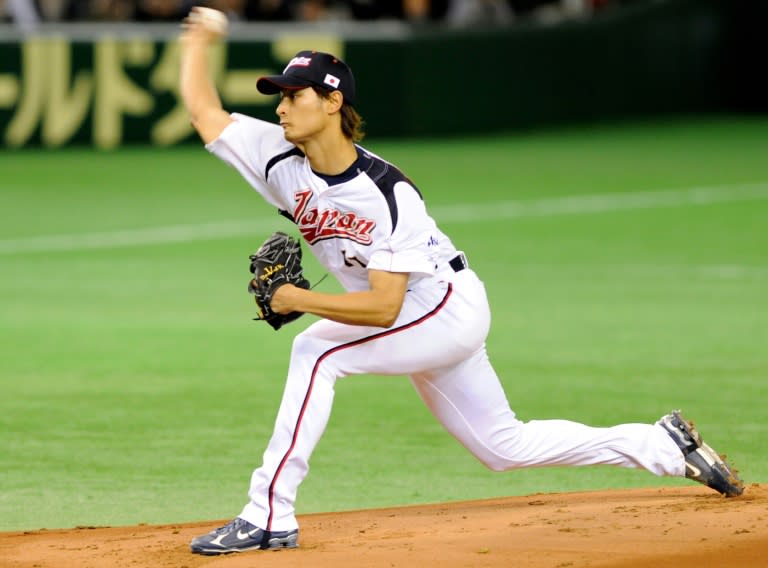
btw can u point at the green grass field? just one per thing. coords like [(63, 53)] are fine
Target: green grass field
[(627, 268)]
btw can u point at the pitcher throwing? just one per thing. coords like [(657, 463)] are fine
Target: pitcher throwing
[(406, 283)]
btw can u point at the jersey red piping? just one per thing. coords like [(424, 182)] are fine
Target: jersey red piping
[(320, 359)]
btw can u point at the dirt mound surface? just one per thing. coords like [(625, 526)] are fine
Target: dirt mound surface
[(682, 527)]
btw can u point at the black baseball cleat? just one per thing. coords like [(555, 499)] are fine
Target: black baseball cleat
[(702, 463), (241, 536)]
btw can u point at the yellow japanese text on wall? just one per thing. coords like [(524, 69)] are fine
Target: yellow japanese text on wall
[(54, 92)]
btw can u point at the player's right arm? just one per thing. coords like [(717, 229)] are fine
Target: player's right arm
[(196, 85)]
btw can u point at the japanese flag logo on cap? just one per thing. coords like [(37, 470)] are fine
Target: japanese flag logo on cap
[(331, 80)]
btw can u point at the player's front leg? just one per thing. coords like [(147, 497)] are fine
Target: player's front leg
[(301, 420), (268, 520)]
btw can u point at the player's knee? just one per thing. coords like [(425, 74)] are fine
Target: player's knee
[(490, 459), (306, 345), (495, 463), (307, 357), (501, 456)]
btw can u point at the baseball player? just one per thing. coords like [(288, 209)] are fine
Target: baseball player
[(413, 305)]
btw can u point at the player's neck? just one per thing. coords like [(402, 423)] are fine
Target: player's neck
[(330, 156)]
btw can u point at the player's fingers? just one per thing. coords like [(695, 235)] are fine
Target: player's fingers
[(192, 19), (194, 28)]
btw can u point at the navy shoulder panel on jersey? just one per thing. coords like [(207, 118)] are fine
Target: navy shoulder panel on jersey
[(385, 176), (273, 161)]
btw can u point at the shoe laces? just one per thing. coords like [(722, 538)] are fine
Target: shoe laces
[(679, 429), (233, 525)]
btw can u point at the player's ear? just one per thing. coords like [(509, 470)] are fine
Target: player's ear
[(335, 101)]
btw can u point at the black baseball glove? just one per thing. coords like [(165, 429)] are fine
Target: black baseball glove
[(277, 262)]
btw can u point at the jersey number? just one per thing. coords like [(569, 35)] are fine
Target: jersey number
[(351, 260)]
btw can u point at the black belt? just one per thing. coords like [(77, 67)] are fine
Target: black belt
[(459, 262)]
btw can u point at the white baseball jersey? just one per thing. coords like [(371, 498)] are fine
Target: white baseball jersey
[(373, 217), (369, 217)]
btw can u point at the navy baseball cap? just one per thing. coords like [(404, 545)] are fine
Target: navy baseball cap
[(312, 69)]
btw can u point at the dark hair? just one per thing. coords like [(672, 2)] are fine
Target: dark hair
[(351, 121)]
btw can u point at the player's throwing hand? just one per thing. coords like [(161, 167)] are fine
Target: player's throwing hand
[(205, 24)]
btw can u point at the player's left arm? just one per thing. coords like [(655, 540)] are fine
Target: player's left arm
[(378, 306)]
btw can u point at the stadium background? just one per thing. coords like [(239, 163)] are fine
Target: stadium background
[(606, 176)]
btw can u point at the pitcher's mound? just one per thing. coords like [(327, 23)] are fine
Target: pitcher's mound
[(682, 527)]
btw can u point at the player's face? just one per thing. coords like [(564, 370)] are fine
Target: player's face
[(302, 114)]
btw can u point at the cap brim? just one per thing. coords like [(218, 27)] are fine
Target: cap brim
[(273, 84)]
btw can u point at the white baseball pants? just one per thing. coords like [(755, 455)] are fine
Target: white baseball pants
[(439, 342)]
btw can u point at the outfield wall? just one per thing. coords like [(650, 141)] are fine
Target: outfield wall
[(114, 85)]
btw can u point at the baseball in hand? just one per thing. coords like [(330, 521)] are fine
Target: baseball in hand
[(214, 20)]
